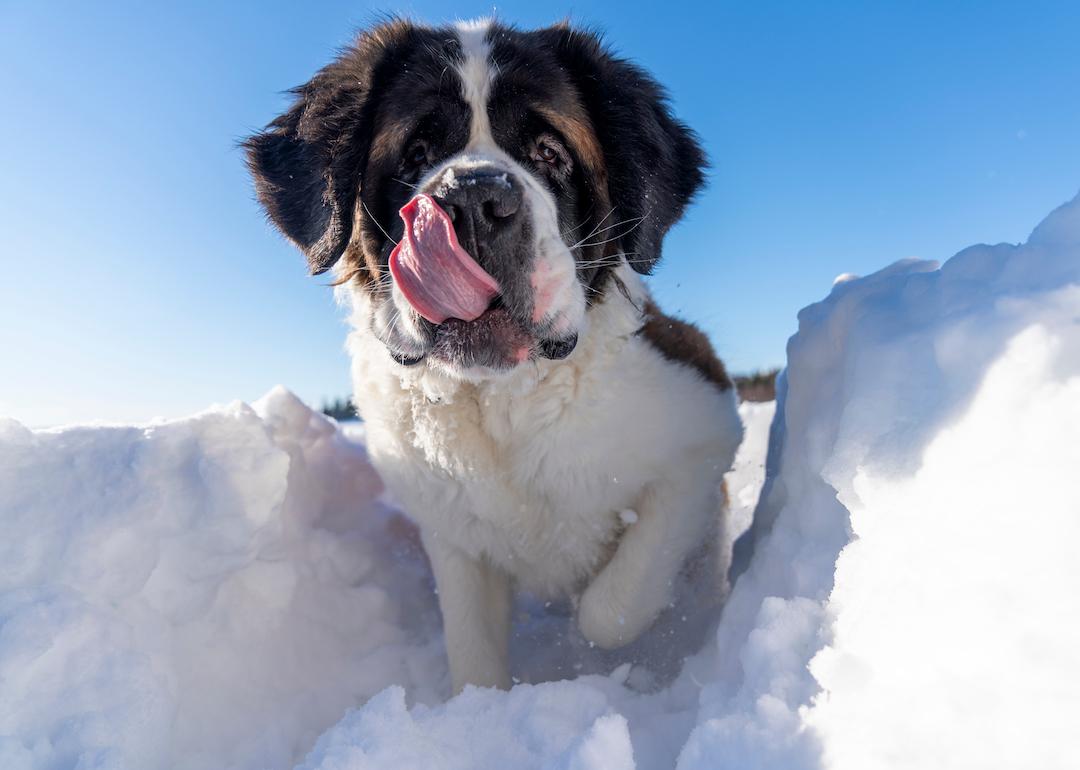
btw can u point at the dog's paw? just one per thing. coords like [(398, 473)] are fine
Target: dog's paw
[(609, 618)]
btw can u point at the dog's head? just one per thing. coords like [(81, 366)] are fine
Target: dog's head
[(477, 183)]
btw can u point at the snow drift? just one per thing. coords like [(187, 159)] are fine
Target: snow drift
[(914, 593), (232, 590), (205, 593)]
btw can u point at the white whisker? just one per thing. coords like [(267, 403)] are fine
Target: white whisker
[(376, 221), (637, 224), (593, 231)]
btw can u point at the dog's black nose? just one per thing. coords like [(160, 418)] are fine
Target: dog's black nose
[(483, 204)]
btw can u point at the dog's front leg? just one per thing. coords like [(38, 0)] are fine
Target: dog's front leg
[(637, 584), (475, 601)]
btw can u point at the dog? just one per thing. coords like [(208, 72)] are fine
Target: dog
[(488, 199)]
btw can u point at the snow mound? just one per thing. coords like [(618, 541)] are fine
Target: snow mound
[(232, 591), (912, 601), (206, 593)]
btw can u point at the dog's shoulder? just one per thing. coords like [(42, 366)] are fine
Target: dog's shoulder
[(683, 342)]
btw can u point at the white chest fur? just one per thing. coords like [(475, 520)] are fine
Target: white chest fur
[(530, 471)]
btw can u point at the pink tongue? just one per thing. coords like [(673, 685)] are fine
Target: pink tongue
[(438, 277)]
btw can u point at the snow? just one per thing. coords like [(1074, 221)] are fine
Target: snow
[(212, 592), (558, 725), (747, 474), (912, 574), (234, 590)]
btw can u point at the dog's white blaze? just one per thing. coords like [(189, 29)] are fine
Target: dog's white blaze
[(476, 75), (554, 273)]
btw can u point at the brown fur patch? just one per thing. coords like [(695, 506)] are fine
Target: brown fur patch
[(390, 136), (684, 343), (576, 127)]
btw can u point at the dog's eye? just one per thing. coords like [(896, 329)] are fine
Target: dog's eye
[(417, 154), (548, 153)]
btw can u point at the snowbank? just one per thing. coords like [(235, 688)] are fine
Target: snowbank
[(912, 599), (206, 593), (231, 591)]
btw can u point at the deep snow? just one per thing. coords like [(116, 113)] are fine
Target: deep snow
[(232, 590)]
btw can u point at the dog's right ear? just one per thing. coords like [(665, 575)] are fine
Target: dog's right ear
[(307, 164), (654, 162)]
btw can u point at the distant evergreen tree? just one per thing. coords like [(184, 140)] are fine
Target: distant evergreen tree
[(340, 409), (758, 386)]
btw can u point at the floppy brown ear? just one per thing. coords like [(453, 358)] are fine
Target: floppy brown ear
[(307, 164), (655, 164)]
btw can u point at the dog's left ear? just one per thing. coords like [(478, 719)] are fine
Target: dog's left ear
[(654, 162), (292, 163), (307, 164)]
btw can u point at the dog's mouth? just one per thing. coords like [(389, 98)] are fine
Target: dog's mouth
[(442, 282), (437, 277), (493, 340)]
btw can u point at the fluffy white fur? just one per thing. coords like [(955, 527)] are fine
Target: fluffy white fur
[(519, 477), (522, 477)]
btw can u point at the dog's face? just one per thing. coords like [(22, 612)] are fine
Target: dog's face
[(478, 184)]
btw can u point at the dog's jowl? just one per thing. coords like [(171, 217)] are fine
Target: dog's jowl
[(487, 199)]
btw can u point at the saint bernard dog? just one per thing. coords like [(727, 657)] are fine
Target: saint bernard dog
[(488, 199)]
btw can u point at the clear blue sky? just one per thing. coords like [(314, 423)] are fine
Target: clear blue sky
[(139, 279)]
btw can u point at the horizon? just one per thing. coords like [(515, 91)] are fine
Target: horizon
[(142, 280)]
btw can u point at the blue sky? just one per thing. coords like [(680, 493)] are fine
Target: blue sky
[(139, 279)]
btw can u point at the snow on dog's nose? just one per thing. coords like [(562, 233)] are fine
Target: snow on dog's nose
[(435, 274)]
